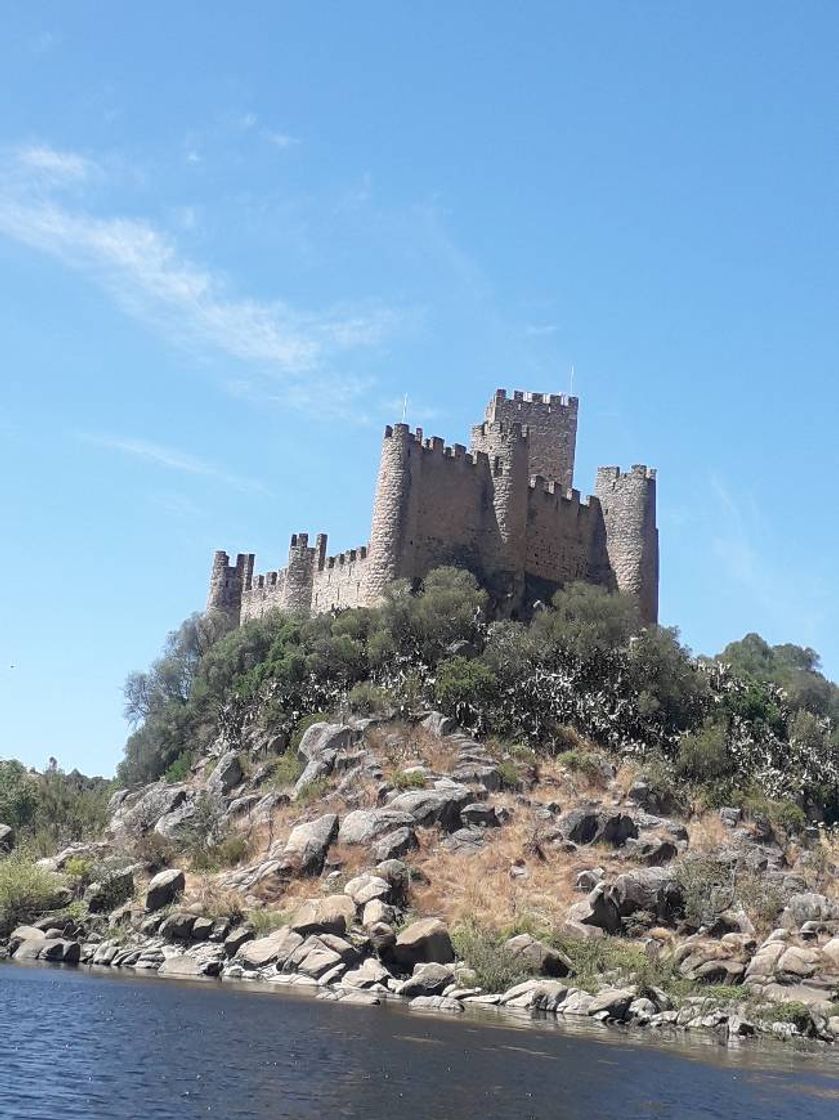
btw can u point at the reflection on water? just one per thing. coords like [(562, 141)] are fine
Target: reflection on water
[(83, 1046)]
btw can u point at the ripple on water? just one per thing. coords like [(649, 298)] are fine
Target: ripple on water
[(80, 1046)]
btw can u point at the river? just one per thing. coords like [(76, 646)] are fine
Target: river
[(78, 1045)]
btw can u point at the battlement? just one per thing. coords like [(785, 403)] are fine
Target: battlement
[(505, 507), (549, 489), (434, 446), (555, 400), (349, 556), (638, 470)]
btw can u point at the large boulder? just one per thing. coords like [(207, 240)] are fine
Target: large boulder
[(333, 914), (138, 813), (7, 837), (588, 824), (277, 947), (438, 724), (611, 1003), (439, 806), (425, 941), (323, 957), (598, 910), (538, 956), (227, 774), (24, 933), (808, 907), (364, 888), (427, 980), (181, 968), (178, 926), (395, 844), (110, 891), (308, 843), (324, 738), (363, 826), (180, 823), (652, 889), (164, 888)]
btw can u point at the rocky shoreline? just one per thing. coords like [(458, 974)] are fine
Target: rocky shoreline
[(333, 904)]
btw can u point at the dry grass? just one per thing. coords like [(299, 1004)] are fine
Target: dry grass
[(707, 832), (397, 745), (480, 888), (214, 900)]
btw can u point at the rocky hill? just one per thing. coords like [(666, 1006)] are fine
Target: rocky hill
[(382, 858)]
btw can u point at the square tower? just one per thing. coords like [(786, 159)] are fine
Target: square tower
[(551, 423)]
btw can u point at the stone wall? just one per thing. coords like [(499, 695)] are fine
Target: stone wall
[(566, 537), (340, 582)]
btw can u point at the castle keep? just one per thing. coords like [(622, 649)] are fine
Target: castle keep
[(505, 509)]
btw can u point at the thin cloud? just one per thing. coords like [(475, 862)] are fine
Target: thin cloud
[(279, 139), (46, 162), (170, 459), (141, 268)]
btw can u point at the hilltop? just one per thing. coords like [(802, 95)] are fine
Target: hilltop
[(573, 816)]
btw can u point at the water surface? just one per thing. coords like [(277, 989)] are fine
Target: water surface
[(80, 1045)]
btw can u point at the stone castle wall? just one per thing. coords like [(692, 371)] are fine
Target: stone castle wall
[(505, 509)]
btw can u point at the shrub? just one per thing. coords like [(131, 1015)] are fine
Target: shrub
[(412, 779), (26, 890), (312, 791), (223, 853), (508, 771), (79, 868), (463, 685), (286, 770), (707, 885), (366, 698), (18, 794), (703, 756), (266, 921), (496, 968), (155, 850), (180, 769), (791, 1011), (784, 815), (589, 764)]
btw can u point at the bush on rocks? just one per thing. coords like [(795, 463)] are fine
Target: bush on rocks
[(26, 890)]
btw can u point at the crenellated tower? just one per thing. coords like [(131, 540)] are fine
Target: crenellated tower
[(389, 538), (228, 582), (507, 448), (628, 502), (551, 422)]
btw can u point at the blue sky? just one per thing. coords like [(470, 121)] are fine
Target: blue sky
[(233, 236)]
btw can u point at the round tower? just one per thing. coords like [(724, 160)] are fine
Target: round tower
[(505, 544), (389, 556), (628, 502)]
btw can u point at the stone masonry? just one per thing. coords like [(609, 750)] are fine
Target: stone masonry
[(505, 509)]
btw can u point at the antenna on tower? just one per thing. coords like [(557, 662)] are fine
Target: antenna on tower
[(571, 387), (404, 407)]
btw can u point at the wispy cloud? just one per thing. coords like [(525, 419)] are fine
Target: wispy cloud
[(170, 459), (48, 163), (141, 268), (279, 139)]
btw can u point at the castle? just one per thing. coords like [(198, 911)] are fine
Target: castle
[(505, 509)]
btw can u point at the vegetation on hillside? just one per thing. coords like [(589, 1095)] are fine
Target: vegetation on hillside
[(756, 725), (51, 808)]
